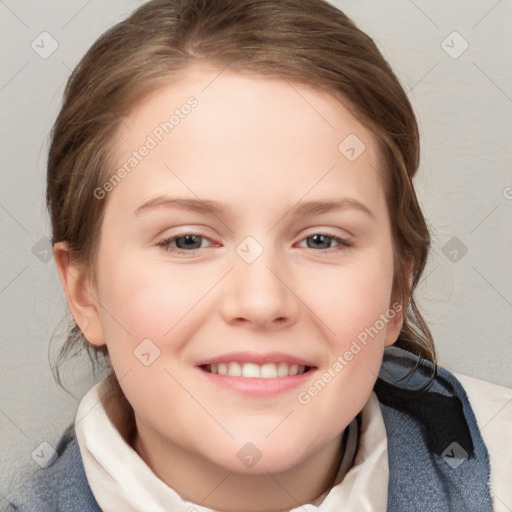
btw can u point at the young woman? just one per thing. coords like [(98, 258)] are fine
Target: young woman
[(236, 229)]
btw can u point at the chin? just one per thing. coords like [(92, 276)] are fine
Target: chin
[(261, 456)]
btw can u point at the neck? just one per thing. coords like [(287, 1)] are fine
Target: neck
[(201, 481)]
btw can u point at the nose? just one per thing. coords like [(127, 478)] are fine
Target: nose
[(260, 294)]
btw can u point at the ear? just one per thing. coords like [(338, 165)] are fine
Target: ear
[(396, 315), (80, 294), (398, 308)]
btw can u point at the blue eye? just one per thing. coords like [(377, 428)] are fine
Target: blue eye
[(189, 242), (183, 243), (325, 241)]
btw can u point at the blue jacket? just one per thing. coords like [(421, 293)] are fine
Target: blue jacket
[(437, 459)]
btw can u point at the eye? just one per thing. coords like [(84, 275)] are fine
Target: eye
[(323, 241), (183, 244), (188, 243)]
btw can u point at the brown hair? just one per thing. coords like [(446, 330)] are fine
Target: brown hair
[(304, 41)]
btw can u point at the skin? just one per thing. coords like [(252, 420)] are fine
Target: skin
[(258, 145)]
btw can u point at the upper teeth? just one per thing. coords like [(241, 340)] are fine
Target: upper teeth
[(264, 371)]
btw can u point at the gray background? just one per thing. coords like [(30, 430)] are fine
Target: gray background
[(464, 104)]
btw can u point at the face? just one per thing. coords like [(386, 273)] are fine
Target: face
[(251, 238)]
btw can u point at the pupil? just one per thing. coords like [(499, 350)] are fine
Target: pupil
[(188, 242), (321, 239)]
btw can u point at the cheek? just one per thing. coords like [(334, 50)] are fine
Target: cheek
[(146, 300), (151, 312), (147, 318), (351, 299), (353, 311)]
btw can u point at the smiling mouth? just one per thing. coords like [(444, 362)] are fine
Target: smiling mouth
[(252, 370)]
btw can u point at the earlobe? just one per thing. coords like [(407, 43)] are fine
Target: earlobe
[(80, 295), (399, 305), (396, 315)]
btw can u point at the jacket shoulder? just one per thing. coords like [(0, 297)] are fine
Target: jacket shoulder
[(492, 406), (435, 446), (61, 487)]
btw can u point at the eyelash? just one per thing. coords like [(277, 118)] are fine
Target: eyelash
[(165, 244)]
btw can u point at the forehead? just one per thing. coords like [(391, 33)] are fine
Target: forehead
[(245, 133), (233, 97)]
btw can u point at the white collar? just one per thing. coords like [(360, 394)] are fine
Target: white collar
[(121, 480)]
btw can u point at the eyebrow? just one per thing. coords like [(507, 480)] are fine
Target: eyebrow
[(192, 205), (207, 206)]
